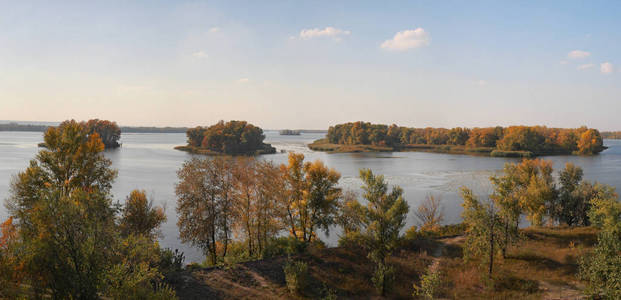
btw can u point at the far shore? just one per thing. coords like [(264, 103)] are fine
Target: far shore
[(325, 146)]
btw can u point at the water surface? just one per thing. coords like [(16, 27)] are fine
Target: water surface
[(148, 161)]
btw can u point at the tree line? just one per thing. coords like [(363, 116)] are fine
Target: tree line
[(536, 139), (225, 203), (233, 137)]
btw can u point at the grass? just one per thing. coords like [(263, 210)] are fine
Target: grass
[(542, 265)]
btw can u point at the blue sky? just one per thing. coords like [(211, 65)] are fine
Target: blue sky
[(310, 64)]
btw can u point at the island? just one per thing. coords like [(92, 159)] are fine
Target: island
[(108, 131), (227, 138), (512, 141), (289, 132)]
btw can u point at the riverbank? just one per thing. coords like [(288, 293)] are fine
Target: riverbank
[(324, 145)]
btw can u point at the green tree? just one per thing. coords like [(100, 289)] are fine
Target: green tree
[(385, 216), (62, 207), (484, 229), (602, 267), (573, 201)]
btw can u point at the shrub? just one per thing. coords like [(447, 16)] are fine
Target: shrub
[(283, 246), (171, 261), (429, 284), (296, 276)]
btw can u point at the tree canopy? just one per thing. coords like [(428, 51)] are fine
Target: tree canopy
[(233, 137), (536, 139)]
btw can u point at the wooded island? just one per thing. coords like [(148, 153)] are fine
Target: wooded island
[(512, 141), (233, 137)]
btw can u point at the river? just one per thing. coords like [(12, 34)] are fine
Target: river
[(148, 161)]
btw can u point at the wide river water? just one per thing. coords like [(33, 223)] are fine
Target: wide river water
[(148, 161)]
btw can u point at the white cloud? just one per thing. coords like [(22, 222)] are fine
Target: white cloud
[(585, 66), (214, 29), (243, 80), (606, 68), (407, 39), (332, 32), (200, 54), (577, 54)]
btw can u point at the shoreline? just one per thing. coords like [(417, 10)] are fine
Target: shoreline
[(323, 146), (268, 149)]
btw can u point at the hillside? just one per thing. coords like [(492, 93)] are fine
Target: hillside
[(543, 267)]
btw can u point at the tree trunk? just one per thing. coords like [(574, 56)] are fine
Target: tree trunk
[(491, 250)]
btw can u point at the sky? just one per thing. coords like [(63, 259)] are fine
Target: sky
[(312, 64)]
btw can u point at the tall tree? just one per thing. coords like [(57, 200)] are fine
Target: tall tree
[(484, 229), (385, 216), (62, 207), (204, 204), (313, 196)]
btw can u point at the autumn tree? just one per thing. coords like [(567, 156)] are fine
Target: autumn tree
[(590, 142), (312, 196), (258, 195), (108, 131), (140, 216), (204, 204), (484, 229), (62, 208), (526, 187), (384, 217), (11, 266)]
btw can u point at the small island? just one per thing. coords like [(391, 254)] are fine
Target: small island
[(108, 131), (512, 141), (289, 132), (227, 138)]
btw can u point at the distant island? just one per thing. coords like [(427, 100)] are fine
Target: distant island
[(232, 138), (512, 141), (15, 126), (612, 135), (289, 132)]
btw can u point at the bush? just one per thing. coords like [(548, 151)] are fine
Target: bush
[(283, 246), (429, 284), (296, 276), (171, 261), (352, 240)]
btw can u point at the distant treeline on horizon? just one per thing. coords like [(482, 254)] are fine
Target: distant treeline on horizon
[(536, 139), (14, 126), (613, 135)]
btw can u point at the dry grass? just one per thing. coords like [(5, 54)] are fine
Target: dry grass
[(543, 266)]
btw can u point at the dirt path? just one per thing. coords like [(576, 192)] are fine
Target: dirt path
[(560, 292)]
